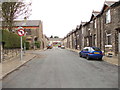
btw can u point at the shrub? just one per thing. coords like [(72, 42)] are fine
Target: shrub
[(27, 45), (37, 44), (11, 40)]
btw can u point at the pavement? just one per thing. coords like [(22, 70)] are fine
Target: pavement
[(9, 66), (112, 60)]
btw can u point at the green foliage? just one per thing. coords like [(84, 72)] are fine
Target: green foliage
[(27, 45), (56, 37), (37, 44), (12, 10), (51, 36), (11, 40)]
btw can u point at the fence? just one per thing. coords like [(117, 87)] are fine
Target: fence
[(10, 53)]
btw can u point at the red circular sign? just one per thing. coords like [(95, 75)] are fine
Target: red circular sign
[(21, 32)]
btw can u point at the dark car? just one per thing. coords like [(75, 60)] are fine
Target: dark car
[(59, 46), (91, 53), (49, 47), (62, 47)]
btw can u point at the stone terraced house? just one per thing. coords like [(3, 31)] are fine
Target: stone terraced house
[(33, 30), (103, 30)]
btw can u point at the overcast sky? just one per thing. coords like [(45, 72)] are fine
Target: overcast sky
[(59, 17)]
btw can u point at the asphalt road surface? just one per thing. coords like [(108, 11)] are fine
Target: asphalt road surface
[(61, 68)]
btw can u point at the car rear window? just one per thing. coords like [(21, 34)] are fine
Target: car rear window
[(96, 49)]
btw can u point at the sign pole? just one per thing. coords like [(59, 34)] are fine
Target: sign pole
[(21, 49), (21, 33)]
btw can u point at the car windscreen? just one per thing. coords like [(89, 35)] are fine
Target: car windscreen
[(96, 49)]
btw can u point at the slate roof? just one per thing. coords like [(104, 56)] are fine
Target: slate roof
[(28, 23), (82, 23), (116, 4), (95, 13), (109, 3), (55, 39)]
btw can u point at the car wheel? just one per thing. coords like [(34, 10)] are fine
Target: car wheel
[(80, 55), (87, 57), (100, 59)]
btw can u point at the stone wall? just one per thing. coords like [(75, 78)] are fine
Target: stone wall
[(8, 54)]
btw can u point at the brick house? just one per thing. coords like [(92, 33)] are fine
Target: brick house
[(86, 34), (115, 8), (79, 37), (77, 32), (107, 22), (93, 28), (55, 41), (46, 41), (64, 41), (73, 40), (34, 31), (82, 35), (68, 40), (103, 30)]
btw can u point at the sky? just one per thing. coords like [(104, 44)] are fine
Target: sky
[(59, 17)]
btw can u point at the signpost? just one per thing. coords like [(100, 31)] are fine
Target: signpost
[(21, 33)]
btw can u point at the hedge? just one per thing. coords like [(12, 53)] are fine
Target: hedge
[(27, 45), (11, 40), (37, 44)]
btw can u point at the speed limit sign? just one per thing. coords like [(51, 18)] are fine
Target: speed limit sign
[(21, 32)]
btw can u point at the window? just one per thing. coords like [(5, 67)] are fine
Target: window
[(95, 40), (28, 31), (82, 30), (96, 49), (95, 24), (86, 49), (108, 17), (109, 39)]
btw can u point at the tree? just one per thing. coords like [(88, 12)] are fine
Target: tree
[(13, 10), (51, 36), (56, 37), (0, 12)]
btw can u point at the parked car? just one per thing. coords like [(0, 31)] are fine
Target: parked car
[(62, 47), (49, 47), (59, 46), (91, 53)]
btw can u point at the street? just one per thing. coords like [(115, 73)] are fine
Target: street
[(61, 68)]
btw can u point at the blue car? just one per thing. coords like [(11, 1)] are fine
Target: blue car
[(91, 53)]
